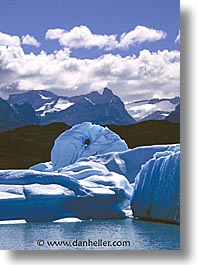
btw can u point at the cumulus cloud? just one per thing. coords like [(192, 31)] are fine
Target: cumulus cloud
[(177, 40), (82, 37), (15, 41), (11, 88), (139, 35), (150, 74), (6, 39), (30, 40)]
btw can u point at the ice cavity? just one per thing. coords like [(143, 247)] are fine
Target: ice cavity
[(157, 187), (84, 140)]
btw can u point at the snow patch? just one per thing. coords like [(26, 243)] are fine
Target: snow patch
[(90, 101), (43, 97), (62, 104), (139, 110), (51, 107)]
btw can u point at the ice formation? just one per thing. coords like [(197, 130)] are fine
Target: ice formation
[(37, 196), (157, 187), (127, 163), (93, 175), (84, 140), (43, 167)]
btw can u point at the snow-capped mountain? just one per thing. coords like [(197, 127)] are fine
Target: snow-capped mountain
[(152, 109), (41, 100), (105, 108), (16, 115)]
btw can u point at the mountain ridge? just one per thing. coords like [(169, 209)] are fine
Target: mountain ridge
[(94, 107), (155, 108), (100, 108), (16, 115)]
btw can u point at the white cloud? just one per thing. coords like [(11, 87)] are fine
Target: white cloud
[(6, 39), (53, 34), (151, 74), (139, 35), (177, 40), (82, 37), (30, 40)]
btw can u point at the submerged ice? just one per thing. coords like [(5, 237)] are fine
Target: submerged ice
[(93, 175)]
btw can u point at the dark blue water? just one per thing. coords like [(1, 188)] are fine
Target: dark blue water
[(139, 234)]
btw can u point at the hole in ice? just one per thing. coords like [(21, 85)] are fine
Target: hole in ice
[(87, 142)]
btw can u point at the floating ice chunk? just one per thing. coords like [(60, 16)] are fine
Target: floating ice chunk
[(48, 196), (84, 140), (157, 191), (10, 222), (67, 220)]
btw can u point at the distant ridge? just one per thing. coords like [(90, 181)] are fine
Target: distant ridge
[(175, 115), (16, 115), (152, 109), (105, 108)]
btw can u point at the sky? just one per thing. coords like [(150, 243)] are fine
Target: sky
[(72, 47)]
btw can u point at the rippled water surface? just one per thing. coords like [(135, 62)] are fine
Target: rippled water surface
[(127, 234)]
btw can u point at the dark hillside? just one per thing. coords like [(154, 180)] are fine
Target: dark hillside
[(26, 146)]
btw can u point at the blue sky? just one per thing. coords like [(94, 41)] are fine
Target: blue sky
[(107, 20)]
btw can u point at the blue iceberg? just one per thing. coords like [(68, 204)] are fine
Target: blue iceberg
[(93, 175), (156, 193), (46, 196), (84, 140)]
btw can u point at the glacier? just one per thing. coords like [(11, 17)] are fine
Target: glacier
[(94, 175), (156, 194)]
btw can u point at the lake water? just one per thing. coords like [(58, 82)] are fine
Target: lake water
[(140, 235)]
